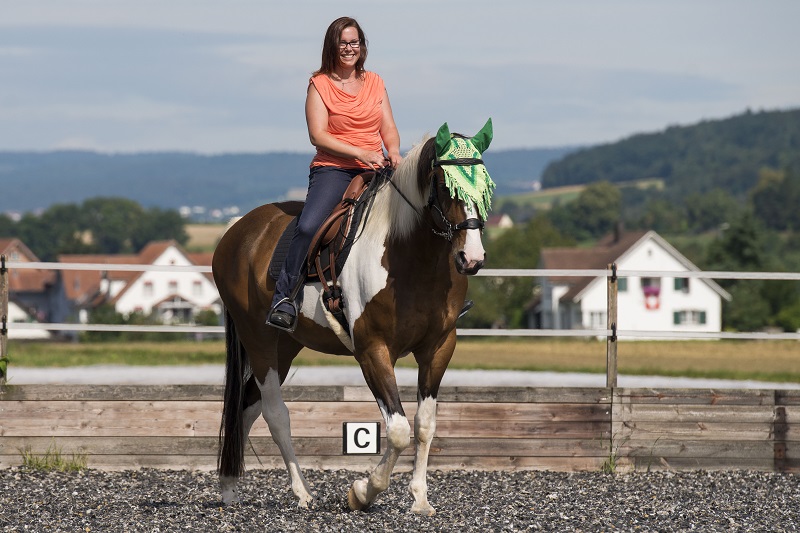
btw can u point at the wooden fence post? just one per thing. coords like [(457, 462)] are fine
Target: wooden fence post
[(3, 320), (611, 321)]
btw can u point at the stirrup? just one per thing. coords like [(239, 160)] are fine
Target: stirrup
[(291, 328), (467, 306)]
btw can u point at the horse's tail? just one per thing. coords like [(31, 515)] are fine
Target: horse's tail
[(230, 457)]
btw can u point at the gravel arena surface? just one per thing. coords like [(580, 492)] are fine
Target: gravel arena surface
[(161, 501)]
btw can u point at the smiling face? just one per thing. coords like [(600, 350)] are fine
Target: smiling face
[(348, 54)]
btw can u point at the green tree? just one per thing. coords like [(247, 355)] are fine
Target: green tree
[(592, 214), (112, 223), (711, 210)]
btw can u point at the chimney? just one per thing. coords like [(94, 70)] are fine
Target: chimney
[(619, 229)]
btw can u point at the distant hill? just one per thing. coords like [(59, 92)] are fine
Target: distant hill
[(724, 154), (37, 180)]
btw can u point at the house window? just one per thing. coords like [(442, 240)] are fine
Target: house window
[(682, 285), (622, 284), (651, 289), (172, 287), (689, 318), (147, 288), (197, 288), (597, 319)]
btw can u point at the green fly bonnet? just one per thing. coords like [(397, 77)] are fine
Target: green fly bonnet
[(464, 173)]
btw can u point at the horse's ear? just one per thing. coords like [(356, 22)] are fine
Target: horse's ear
[(442, 140), (483, 138)]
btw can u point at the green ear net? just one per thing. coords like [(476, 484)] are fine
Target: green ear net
[(483, 138), (442, 140)]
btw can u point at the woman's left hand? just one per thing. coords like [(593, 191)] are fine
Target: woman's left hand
[(394, 159)]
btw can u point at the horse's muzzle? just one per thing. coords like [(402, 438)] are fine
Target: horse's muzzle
[(468, 268)]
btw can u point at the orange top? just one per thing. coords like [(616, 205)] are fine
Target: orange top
[(354, 119)]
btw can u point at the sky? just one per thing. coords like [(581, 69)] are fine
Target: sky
[(123, 76)]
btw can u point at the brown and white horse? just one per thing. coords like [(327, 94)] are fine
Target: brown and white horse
[(404, 285)]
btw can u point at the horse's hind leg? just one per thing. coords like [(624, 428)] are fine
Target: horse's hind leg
[(431, 370), (251, 412), (277, 416)]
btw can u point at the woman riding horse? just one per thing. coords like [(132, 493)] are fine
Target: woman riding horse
[(404, 284)]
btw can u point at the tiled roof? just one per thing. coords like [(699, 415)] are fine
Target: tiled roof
[(24, 280), (608, 250)]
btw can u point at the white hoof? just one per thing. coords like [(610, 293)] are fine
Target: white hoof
[(355, 495), (228, 489), (423, 509)]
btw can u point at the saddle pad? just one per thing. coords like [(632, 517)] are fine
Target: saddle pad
[(281, 250)]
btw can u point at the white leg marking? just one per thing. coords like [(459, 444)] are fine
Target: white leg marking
[(230, 493), (228, 484), (277, 416), (398, 437), (424, 429)]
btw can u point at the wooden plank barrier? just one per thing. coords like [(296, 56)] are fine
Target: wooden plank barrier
[(127, 427), (707, 429)]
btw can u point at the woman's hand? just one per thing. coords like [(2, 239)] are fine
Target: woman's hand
[(394, 158), (373, 160)]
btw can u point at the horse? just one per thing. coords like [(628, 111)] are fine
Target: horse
[(404, 284)]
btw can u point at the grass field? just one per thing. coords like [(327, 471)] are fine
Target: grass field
[(203, 237), (759, 360)]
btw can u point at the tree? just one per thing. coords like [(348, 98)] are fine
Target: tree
[(592, 214)]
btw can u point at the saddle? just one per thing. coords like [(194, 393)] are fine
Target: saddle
[(331, 244)]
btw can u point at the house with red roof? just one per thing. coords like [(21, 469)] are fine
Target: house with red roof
[(173, 296), (30, 291), (669, 302)]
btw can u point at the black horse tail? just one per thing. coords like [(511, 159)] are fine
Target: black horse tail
[(230, 457)]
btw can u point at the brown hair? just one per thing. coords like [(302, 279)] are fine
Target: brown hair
[(330, 46)]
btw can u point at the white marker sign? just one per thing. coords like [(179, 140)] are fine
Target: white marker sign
[(361, 438)]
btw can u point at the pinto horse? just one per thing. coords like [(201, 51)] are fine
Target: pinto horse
[(404, 284)]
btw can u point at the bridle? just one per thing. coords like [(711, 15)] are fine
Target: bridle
[(446, 228), (442, 225)]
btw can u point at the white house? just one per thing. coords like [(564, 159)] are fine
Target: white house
[(174, 296), (670, 302)]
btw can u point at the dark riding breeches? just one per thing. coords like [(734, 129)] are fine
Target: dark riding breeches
[(326, 186)]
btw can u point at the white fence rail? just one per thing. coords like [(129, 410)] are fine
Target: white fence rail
[(611, 332)]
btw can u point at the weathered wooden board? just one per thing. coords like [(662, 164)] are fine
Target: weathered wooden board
[(120, 427)]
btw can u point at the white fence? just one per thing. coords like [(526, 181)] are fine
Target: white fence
[(611, 333)]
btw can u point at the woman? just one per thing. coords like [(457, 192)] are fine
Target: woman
[(349, 122)]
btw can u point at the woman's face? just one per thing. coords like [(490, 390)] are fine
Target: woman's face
[(349, 54)]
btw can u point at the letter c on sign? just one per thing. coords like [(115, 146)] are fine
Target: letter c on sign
[(356, 440)]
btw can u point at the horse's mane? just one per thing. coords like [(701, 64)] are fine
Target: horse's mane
[(391, 215)]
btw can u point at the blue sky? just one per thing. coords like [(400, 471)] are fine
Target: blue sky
[(230, 76)]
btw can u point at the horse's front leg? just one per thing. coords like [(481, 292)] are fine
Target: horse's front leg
[(431, 370), (380, 377), (277, 416)]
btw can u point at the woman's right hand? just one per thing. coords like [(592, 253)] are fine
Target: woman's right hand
[(373, 160)]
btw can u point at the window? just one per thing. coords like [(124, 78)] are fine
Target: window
[(597, 319), (622, 284), (197, 288), (689, 318), (682, 285), (173, 287), (147, 288)]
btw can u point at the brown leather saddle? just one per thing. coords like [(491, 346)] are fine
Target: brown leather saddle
[(332, 242)]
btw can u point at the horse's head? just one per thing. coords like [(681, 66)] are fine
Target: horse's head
[(460, 194)]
